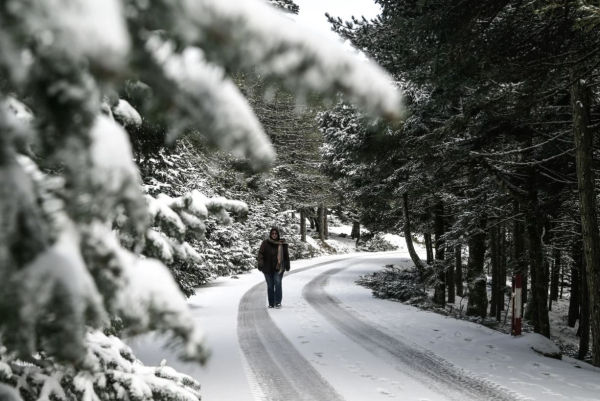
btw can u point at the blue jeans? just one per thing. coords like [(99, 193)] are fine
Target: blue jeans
[(274, 291)]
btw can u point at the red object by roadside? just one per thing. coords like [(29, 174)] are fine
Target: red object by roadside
[(517, 305)]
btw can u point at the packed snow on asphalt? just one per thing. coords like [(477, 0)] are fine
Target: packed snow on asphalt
[(333, 341)]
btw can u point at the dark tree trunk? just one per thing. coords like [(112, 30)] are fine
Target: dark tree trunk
[(355, 230), (321, 226), (503, 263), (439, 295), (577, 255), (459, 270), (408, 236), (303, 225), (556, 267), (325, 223), (519, 248), (562, 279), (494, 258), (538, 304), (476, 280), (428, 247), (584, 320), (580, 103), (312, 223)]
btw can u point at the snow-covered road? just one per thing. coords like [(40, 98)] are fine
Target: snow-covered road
[(334, 341)]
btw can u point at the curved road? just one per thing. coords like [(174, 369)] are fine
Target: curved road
[(277, 371)]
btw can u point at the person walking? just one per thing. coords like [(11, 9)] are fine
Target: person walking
[(274, 261)]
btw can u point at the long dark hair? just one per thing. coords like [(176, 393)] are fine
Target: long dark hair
[(277, 231)]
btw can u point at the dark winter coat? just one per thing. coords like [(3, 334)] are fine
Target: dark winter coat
[(267, 257)]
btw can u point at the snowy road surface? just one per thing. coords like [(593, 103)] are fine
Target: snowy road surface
[(334, 341)]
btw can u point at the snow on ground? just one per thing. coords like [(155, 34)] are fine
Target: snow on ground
[(355, 371), (496, 356), (215, 308)]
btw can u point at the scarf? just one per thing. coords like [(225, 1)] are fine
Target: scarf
[(280, 267)]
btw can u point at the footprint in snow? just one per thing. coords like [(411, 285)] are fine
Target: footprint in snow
[(305, 342), (319, 354), (385, 392)]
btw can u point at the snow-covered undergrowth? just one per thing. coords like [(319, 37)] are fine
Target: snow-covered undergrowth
[(402, 284), (395, 284), (230, 250)]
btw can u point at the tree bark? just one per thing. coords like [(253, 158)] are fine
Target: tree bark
[(494, 258), (408, 236), (538, 303), (325, 223), (355, 229), (303, 225), (503, 263), (476, 279), (518, 247), (556, 267), (584, 320), (580, 103), (459, 270), (428, 247), (496, 241), (439, 295), (577, 255), (321, 226)]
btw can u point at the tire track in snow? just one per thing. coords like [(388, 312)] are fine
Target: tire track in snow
[(276, 370), (421, 365)]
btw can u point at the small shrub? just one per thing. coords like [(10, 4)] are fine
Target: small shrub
[(395, 284)]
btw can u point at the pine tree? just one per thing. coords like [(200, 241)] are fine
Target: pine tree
[(68, 176)]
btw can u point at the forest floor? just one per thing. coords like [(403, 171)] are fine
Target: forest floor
[(334, 341)]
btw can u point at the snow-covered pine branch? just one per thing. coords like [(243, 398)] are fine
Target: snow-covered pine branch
[(64, 271), (118, 376), (285, 5), (250, 36)]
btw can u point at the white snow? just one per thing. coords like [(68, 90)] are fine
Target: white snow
[(214, 102), (257, 36), (93, 28), (499, 359), (127, 114)]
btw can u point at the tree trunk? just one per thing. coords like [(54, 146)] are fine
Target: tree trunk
[(562, 279), (439, 295), (408, 236), (459, 270), (580, 104), (325, 223), (321, 227), (503, 257), (494, 258), (519, 248), (355, 231), (584, 320), (303, 225), (577, 255), (538, 303), (312, 222), (555, 274), (428, 247), (476, 280)]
